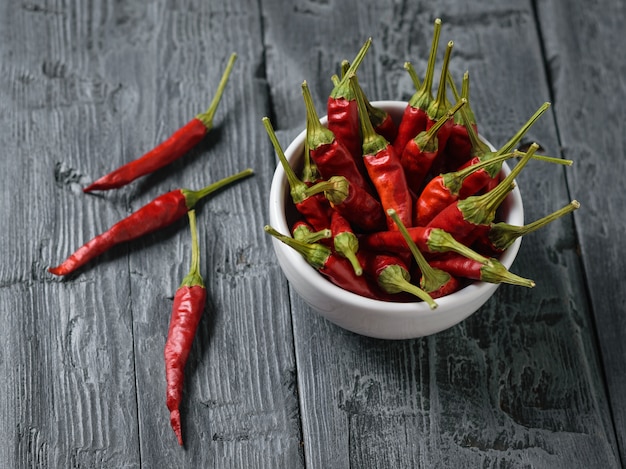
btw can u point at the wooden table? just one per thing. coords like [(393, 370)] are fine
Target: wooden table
[(536, 378)]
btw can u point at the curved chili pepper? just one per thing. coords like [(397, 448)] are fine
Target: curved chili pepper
[(353, 202), (470, 218), (173, 148), (159, 213), (345, 241), (331, 157), (187, 309), (436, 194), (435, 282), (392, 275), (314, 208), (343, 120), (384, 169), (444, 189), (488, 270), (501, 235), (420, 152), (335, 268), (414, 117)]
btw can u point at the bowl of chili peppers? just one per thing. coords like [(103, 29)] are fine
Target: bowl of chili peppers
[(327, 282), (396, 219)]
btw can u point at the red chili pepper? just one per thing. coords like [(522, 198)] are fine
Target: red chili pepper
[(159, 213), (443, 190), (414, 117), (486, 270), (343, 120), (459, 146), (334, 267), (187, 309), (355, 204), (440, 106), (331, 157), (435, 282), (176, 146), (345, 241), (470, 218), (501, 235), (304, 232), (420, 152), (393, 277), (314, 208), (384, 169), (427, 240)]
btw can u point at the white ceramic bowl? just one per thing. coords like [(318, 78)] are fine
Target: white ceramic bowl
[(373, 318)]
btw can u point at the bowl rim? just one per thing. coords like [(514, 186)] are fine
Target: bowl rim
[(279, 194)]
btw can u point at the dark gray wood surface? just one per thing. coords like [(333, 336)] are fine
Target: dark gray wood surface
[(536, 378)]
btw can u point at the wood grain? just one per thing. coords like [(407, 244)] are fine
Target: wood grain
[(587, 75), (533, 379), (488, 392)]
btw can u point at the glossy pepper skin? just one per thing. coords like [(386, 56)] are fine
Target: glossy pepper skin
[(439, 192), (331, 265), (356, 205), (414, 118), (329, 154), (469, 219), (170, 150), (313, 207), (158, 213), (341, 108), (384, 169), (187, 309)]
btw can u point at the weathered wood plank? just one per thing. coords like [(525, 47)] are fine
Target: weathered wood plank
[(505, 387), (86, 87), (587, 70)]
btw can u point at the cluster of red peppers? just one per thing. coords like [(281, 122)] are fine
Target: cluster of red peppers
[(400, 211), (164, 210)]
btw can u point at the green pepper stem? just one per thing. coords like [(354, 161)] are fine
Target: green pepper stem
[(347, 245), (207, 117), (481, 209), (192, 197), (547, 159), (345, 66), (306, 235), (408, 66), (193, 278), (454, 180), (479, 148), (440, 240), (296, 186), (336, 189), (315, 254), (316, 134), (395, 279), (440, 105), (310, 173), (502, 235), (425, 138), (343, 88), (372, 142), (432, 279), (424, 95), (493, 271), (508, 146)]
